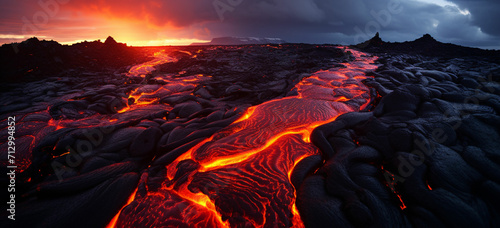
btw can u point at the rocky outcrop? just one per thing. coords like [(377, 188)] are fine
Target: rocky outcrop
[(425, 156), (426, 46), (35, 59)]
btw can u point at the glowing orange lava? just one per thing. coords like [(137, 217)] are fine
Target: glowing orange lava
[(242, 173), (130, 200), (146, 68), (136, 96), (144, 95)]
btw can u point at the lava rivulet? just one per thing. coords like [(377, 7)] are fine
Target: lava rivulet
[(148, 67), (241, 175), (149, 94)]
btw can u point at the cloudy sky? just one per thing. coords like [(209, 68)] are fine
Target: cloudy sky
[(163, 22)]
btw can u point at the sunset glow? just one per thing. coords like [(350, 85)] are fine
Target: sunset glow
[(68, 22), (168, 22), (250, 113)]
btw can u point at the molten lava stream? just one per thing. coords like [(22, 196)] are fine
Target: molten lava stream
[(147, 94), (241, 175), (146, 68)]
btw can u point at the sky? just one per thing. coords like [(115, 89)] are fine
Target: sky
[(181, 22)]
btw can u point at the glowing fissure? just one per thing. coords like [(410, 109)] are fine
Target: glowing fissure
[(148, 67), (129, 201), (144, 96), (242, 174)]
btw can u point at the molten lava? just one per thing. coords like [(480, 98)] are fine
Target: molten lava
[(150, 94), (241, 175), (146, 68)]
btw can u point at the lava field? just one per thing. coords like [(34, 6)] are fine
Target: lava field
[(279, 135)]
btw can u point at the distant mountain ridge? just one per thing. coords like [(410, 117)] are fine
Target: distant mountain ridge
[(229, 40), (33, 59), (425, 45)]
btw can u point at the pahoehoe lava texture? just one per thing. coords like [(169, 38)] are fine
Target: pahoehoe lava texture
[(177, 140), (90, 140), (240, 177), (428, 155)]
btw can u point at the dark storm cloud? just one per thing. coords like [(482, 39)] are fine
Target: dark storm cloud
[(485, 14), (352, 21), (314, 21)]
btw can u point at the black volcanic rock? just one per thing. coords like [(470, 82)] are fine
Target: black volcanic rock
[(376, 41), (427, 38), (433, 116), (239, 71), (427, 46), (110, 41), (376, 38), (35, 59), (112, 45), (426, 156)]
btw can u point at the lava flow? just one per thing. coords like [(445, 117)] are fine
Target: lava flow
[(146, 94), (241, 175), (146, 68)]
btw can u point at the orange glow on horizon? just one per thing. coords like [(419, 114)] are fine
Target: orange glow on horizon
[(140, 43), (84, 23)]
